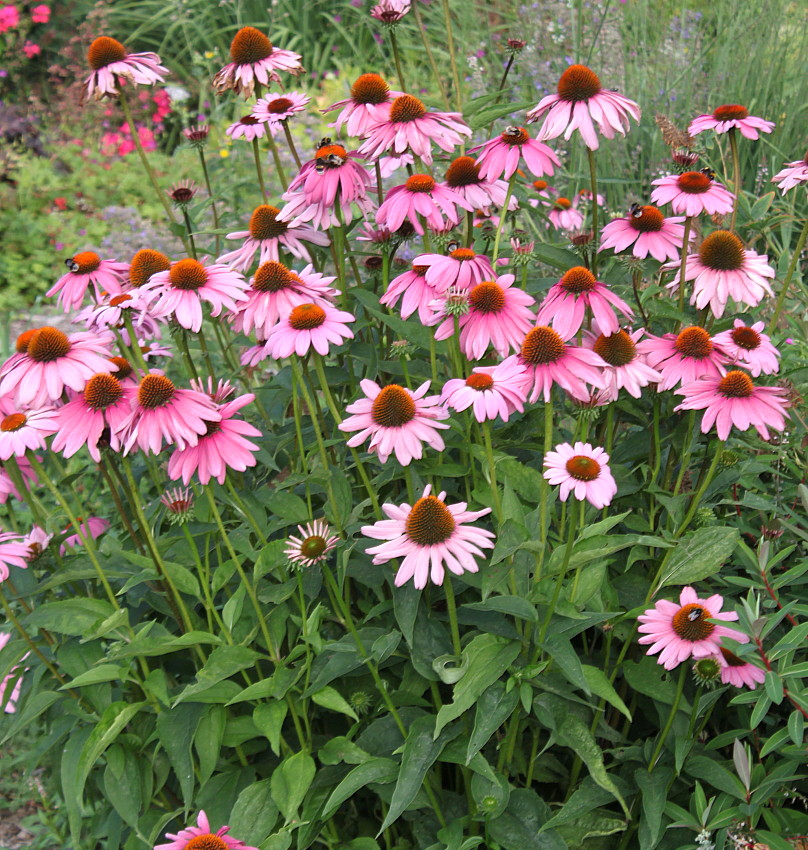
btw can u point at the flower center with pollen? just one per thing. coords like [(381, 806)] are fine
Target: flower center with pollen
[(487, 297), (85, 263), (48, 344), (649, 221), (370, 88), (515, 136), (207, 841), (430, 522), (279, 105), (539, 185), (542, 345), (730, 112), (146, 263), (419, 183), (746, 338), (736, 384), (690, 622), (13, 422), (464, 171), (583, 468), (479, 381), (102, 390), (393, 407), (313, 547), (617, 350), (578, 280), (272, 277), (188, 275), (722, 251), (304, 317), (462, 254), (694, 182), (155, 391), (264, 223), (117, 300), (406, 108), (124, 367), (24, 340), (578, 83), (562, 204), (104, 51), (694, 342), (249, 46)]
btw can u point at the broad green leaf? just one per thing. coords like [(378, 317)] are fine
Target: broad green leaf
[(585, 798), (289, 507), (255, 813), (290, 781), (716, 775), (379, 770), (519, 826), (653, 787), (489, 656), (35, 705), (494, 707), (71, 756), (208, 740), (333, 700), (525, 480), (276, 686), (516, 606), (176, 729), (490, 795), (124, 791), (71, 616), (340, 749), (698, 556), (592, 825), (383, 647), (102, 673), (222, 663), (567, 661), (269, 717), (796, 727), (602, 687), (510, 537), (150, 646)]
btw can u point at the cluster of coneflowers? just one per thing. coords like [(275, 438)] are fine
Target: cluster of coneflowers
[(104, 387)]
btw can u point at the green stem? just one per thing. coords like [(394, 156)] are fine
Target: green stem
[(787, 280), (581, 509), (452, 609), (258, 170), (291, 142), (397, 58), (276, 157), (683, 267), (687, 449), (203, 345), (205, 583), (492, 470), (502, 214), (436, 73), (297, 375), (447, 20), (736, 167), (595, 236), (702, 489), (560, 579), (680, 686), (544, 489), (213, 209), (189, 230)]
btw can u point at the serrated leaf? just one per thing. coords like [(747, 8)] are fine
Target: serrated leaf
[(176, 730), (698, 556)]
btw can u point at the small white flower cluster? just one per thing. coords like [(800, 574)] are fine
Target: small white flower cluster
[(704, 840)]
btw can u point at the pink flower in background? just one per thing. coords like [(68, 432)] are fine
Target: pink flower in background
[(463, 177), (734, 400), (313, 545), (13, 680), (200, 837), (30, 49), (396, 420), (684, 357), (421, 195), (792, 175), (580, 104), (500, 157), (368, 105), (584, 197), (390, 11), (248, 128), (316, 326), (37, 541), (692, 193), (275, 108), (583, 471), (564, 216), (84, 269), (682, 631), (9, 18), (733, 116), (93, 526), (737, 672), (648, 231), (461, 268), (490, 390), (625, 368), (13, 553), (7, 486), (111, 64), (414, 291), (22, 429), (255, 61), (40, 14), (748, 346), (428, 536)]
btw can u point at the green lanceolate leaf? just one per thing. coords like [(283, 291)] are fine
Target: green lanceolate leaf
[(698, 556), (290, 782)]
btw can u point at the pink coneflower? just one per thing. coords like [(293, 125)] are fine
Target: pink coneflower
[(368, 105), (316, 326), (248, 127), (88, 268), (13, 680), (200, 837), (737, 672), (275, 291), (648, 231), (332, 177), (684, 357), (313, 545), (23, 429), (145, 263), (490, 390), (13, 553), (792, 175), (255, 60), (429, 535), (625, 368), (8, 488), (735, 400), (396, 420), (683, 631), (49, 361), (545, 194), (421, 195), (104, 403), (93, 527), (266, 234), (409, 126), (180, 291), (566, 303), (498, 316), (179, 505), (583, 471), (222, 446), (750, 347), (275, 108), (584, 197), (415, 293), (724, 269), (111, 64), (581, 103), (37, 541), (733, 116), (463, 177), (564, 216), (390, 11), (461, 268), (111, 313), (162, 412), (692, 193), (548, 360), (500, 157)]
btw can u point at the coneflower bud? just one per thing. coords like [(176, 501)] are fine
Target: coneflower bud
[(182, 192), (197, 135), (706, 672)]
